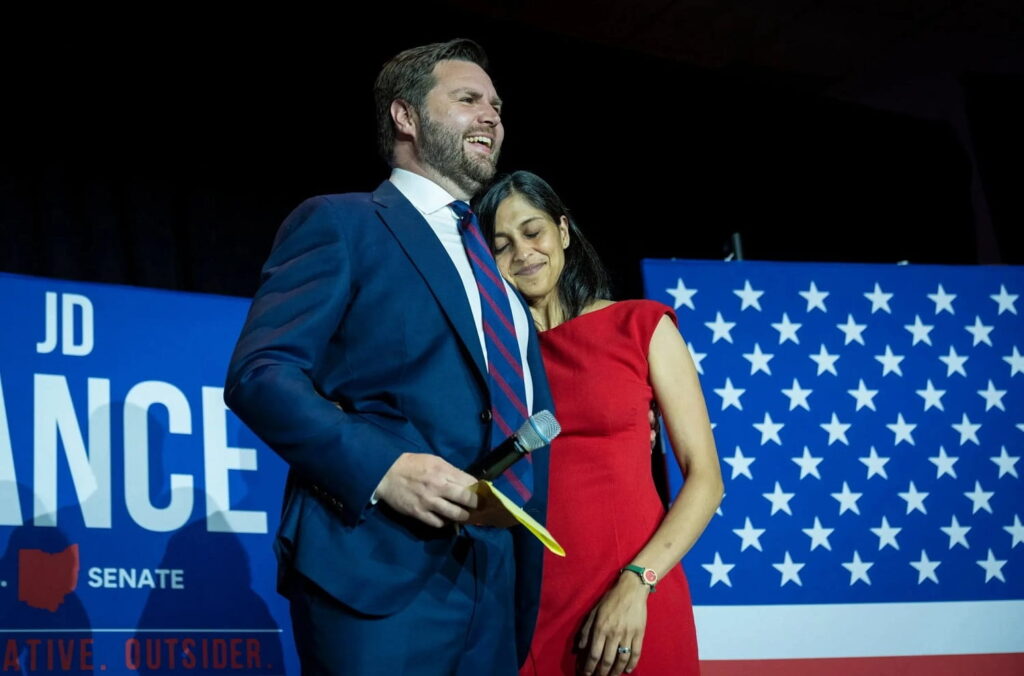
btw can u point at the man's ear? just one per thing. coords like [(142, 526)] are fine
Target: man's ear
[(404, 117)]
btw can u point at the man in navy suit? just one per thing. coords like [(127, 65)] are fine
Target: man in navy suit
[(362, 363)]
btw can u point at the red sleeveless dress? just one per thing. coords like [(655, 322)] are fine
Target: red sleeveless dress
[(602, 503)]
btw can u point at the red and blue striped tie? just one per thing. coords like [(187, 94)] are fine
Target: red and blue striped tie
[(504, 365)]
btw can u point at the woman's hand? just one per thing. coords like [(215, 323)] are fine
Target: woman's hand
[(618, 619)]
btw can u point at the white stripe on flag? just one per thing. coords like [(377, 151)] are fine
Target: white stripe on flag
[(859, 630)]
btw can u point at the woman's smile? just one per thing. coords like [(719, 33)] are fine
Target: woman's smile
[(528, 270)]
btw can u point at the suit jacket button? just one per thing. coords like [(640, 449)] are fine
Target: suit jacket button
[(485, 416)]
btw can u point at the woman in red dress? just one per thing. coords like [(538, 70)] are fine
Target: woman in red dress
[(606, 361)]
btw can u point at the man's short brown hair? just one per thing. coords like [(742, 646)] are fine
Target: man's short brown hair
[(409, 77)]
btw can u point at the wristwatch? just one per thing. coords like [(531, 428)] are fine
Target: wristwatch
[(647, 575)]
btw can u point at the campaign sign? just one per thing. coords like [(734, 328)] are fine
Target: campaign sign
[(136, 512)]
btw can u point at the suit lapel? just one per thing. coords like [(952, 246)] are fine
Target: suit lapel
[(429, 257)]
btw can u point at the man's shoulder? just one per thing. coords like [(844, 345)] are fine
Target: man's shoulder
[(386, 194), (347, 212), (338, 205), (341, 200)]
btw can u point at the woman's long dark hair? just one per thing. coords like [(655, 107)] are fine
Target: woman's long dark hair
[(584, 279)]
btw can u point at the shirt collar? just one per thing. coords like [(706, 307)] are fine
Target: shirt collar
[(427, 196)]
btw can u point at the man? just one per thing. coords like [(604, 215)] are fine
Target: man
[(366, 363)]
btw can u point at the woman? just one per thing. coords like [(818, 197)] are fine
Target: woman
[(605, 362)]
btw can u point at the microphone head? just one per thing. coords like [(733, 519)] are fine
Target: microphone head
[(538, 430)]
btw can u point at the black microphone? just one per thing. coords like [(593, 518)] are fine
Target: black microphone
[(538, 430)]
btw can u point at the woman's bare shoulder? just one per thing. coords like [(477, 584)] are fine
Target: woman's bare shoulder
[(599, 304)]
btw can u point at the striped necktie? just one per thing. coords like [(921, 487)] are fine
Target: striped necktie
[(504, 365)]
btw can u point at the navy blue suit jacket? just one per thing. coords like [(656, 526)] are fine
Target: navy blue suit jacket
[(360, 346)]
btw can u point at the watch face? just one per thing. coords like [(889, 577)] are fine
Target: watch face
[(650, 577)]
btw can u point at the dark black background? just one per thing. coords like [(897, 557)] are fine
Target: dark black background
[(165, 150)]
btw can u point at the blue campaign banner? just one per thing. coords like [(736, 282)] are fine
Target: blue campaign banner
[(136, 512), (870, 422)]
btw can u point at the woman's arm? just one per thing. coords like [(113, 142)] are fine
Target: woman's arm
[(677, 391), (620, 616)]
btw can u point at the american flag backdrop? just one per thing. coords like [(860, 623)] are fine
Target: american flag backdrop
[(870, 423)]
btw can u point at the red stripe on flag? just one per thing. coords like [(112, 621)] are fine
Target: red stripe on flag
[(501, 315), (510, 393), (512, 361), (1007, 664)]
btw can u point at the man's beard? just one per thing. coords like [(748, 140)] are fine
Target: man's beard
[(442, 150)]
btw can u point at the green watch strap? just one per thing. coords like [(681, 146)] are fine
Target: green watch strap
[(647, 575)]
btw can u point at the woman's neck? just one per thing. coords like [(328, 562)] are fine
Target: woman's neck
[(547, 313)]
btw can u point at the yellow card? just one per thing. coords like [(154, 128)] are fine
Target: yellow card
[(539, 531)]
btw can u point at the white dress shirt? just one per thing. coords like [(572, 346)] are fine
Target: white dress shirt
[(432, 201)]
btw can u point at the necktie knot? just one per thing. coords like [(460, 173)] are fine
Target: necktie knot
[(463, 211)]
